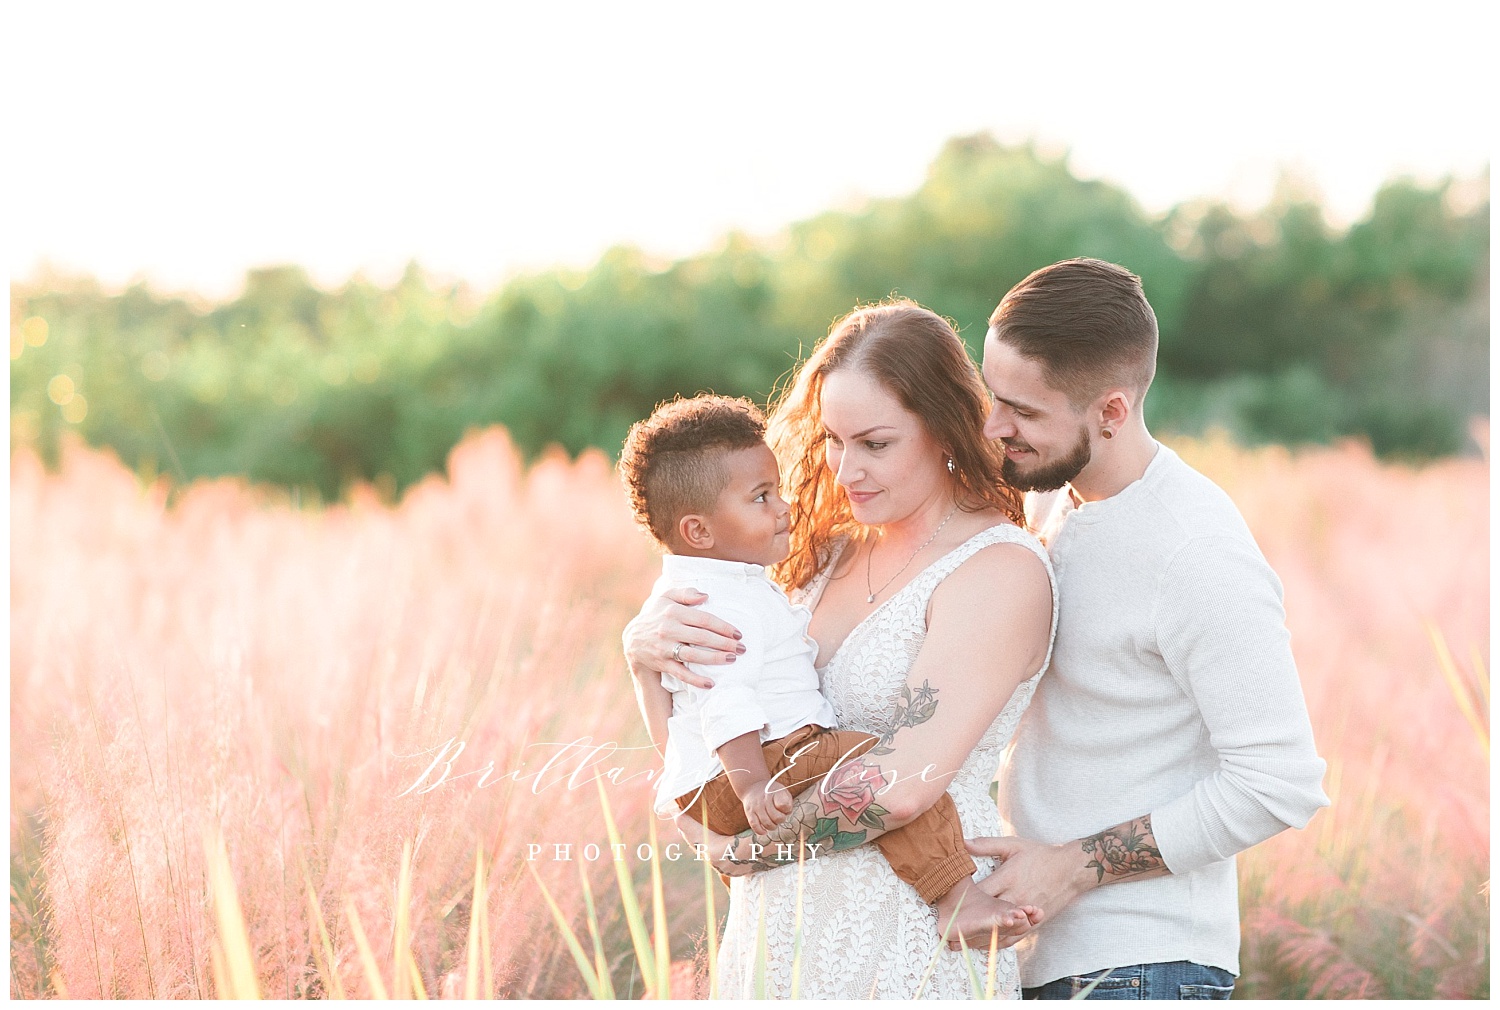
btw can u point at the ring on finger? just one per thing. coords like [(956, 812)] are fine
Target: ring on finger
[(677, 652)]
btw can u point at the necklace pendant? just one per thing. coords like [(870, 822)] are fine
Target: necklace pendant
[(870, 598)]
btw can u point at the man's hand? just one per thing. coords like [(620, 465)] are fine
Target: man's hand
[(766, 805), (671, 620), (1033, 873), (1052, 876)]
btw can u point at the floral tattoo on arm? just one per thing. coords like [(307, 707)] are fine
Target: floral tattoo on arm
[(1125, 850), (835, 816)]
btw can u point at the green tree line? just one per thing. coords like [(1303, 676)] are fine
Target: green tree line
[(1274, 325)]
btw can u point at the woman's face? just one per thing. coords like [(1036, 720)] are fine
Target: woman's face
[(880, 452)]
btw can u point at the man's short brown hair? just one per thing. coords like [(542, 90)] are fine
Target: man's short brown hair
[(1087, 322), (673, 461)]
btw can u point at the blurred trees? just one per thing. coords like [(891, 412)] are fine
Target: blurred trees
[(1273, 324)]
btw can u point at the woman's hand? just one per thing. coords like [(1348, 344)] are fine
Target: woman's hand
[(671, 632)]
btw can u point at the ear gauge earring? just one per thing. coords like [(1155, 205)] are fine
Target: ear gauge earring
[(1107, 433)]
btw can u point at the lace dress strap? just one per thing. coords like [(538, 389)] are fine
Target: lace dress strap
[(1004, 533)]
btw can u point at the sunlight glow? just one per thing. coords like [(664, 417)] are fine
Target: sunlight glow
[(187, 142)]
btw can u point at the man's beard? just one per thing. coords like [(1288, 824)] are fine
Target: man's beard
[(1049, 478)]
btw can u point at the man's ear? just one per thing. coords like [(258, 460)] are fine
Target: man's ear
[(694, 531), (1115, 408)]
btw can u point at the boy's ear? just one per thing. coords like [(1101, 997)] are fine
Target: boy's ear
[(694, 531)]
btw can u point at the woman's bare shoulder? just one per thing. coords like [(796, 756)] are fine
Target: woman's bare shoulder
[(997, 604), (1013, 567)]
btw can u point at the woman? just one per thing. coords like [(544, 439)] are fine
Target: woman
[(925, 638)]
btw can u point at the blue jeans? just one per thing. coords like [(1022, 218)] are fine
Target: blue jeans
[(1164, 980)]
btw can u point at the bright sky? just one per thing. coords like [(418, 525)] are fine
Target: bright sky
[(187, 142)]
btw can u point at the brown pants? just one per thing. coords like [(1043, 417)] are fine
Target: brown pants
[(928, 853)]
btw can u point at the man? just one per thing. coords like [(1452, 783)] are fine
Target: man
[(1170, 731)]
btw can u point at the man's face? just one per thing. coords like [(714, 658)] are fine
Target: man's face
[(1046, 441)]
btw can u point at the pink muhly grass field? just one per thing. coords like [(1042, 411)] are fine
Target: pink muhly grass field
[(284, 674), (1386, 894)]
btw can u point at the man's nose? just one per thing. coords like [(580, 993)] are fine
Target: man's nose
[(999, 424)]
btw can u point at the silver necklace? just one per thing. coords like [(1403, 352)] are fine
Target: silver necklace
[(870, 559)]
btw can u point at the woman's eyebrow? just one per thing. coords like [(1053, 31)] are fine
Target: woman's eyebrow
[(868, 431)]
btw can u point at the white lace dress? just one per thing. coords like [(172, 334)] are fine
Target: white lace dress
[(865, 933)]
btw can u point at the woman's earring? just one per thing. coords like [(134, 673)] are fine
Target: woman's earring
[(951, 467)]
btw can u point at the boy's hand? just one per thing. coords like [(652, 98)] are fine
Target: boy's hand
[(767, 804)]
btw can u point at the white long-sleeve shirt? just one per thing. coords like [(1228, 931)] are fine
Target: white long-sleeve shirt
[(1173, 693), (772, 688)]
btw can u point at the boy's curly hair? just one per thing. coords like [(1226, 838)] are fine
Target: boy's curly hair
[(672, 463)]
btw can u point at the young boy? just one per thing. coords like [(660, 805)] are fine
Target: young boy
[(703, 481)]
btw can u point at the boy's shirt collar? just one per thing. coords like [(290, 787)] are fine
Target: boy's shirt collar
[(687, 566)]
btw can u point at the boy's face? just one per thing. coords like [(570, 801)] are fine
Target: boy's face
[(749, 522)]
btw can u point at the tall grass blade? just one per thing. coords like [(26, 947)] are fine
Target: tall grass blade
[(711, 915), (1481, 676), (964, 952), (1456, 685), (234, 960), (419, 991), (323, 949), (477, 914), (222, 986), (601, 962), (486, 960), (663, 941), (989, 975), (938, 952), (590, 977), (401, 945), (640, 937), (797, 925), (366, 955), (1093, 984)]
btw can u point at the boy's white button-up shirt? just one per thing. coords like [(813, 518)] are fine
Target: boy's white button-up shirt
[(772, 689)]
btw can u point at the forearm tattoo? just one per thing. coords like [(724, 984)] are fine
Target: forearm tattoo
[(1125, 850), (837, 814)]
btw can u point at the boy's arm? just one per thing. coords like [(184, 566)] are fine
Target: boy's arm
[(766, 803), (744, 763), (655, 703)]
